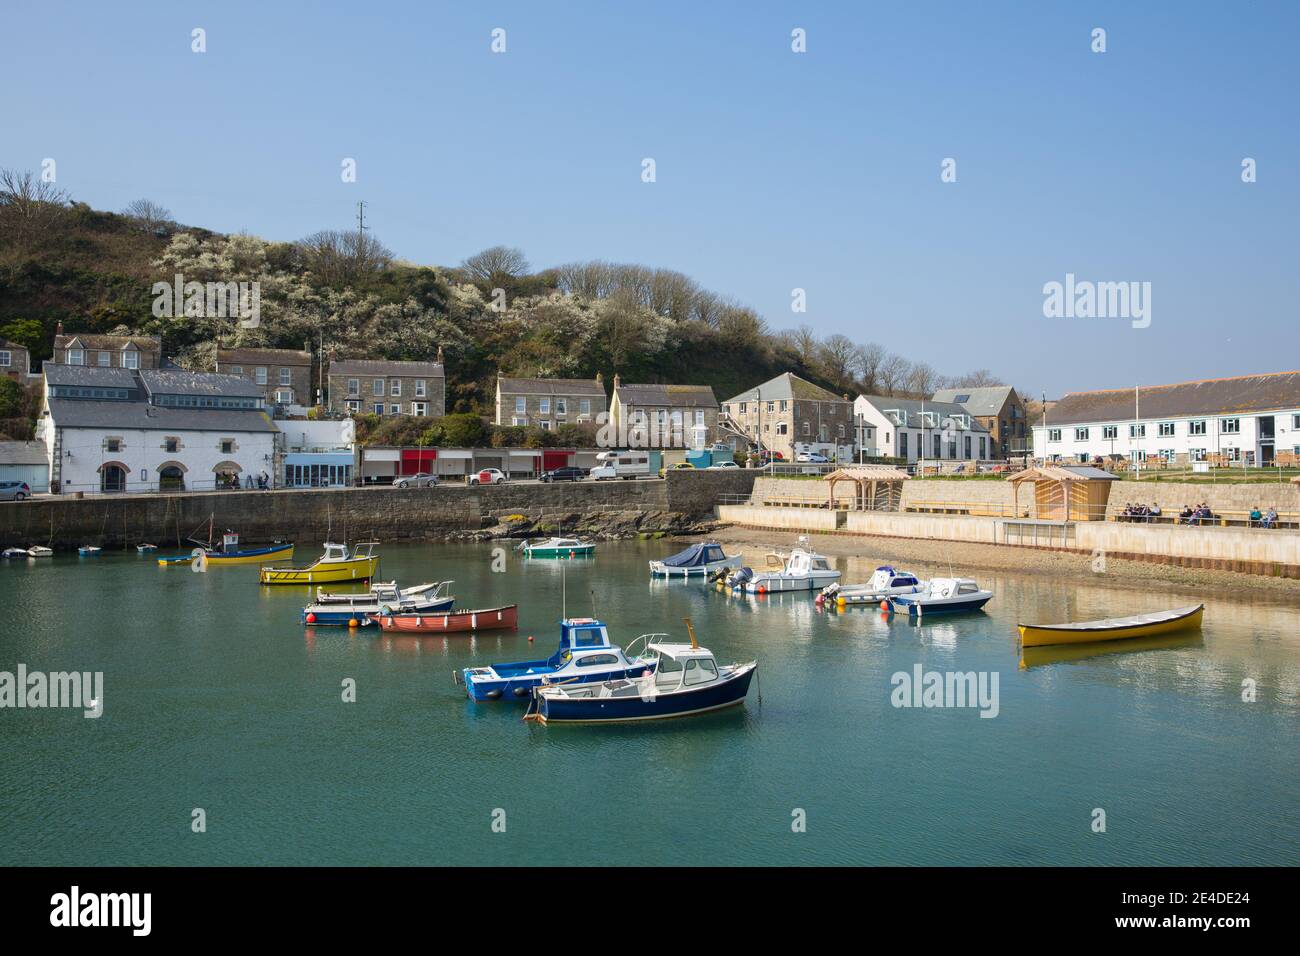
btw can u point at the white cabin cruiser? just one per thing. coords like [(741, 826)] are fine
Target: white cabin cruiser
[(942, 596), (885, 582), (801, 570)]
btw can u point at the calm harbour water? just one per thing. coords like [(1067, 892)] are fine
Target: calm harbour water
[(216, 697)]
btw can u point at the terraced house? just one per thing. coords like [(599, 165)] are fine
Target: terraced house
[(107, 351), (388, 388), (15, 361), (792, 416), (999, 409), (664, 416), (549, 402), (283, 374)]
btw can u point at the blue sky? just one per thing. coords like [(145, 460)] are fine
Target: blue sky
[(775, 170)]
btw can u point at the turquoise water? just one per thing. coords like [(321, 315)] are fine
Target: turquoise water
[(216, 697)]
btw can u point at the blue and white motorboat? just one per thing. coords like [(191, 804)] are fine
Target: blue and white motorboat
[(801, 570), (687, 680), (584, 655), (702, 559), (354, 610), (885, 582), (942, 596)]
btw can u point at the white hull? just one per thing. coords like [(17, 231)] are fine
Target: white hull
[(773, 583), (658, 567)]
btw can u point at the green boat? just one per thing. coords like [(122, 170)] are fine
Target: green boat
[(559, 548)]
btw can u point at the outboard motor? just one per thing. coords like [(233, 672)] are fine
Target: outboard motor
[(741, 577)]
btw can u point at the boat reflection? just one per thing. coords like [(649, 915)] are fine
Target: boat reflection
[(1069, 653)]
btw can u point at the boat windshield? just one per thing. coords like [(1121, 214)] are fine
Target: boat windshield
[(669, 673)]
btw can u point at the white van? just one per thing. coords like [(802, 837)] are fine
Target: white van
[(621, 464)]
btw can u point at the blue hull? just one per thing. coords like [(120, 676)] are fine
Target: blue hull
[(359, 612), (521, 688), (913, 609), (595, 710)]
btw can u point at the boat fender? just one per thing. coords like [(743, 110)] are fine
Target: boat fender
[(311, 618), (521, 691), (530, 638), (352, 622), (494, 694), (884, 605)]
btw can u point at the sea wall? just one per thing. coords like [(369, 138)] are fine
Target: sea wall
[(682, 500)]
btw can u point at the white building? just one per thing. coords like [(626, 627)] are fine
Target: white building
[(1252, 419), (121, 429), (912, 429)]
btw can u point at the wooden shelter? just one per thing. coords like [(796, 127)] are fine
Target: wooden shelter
[(876, 487), (1066, 492)]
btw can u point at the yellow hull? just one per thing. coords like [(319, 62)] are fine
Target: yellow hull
[(354, 569), (1035, 635)]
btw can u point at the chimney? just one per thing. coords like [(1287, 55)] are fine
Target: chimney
[(58, 329), (618, 380), (440, 361), (600, 379)]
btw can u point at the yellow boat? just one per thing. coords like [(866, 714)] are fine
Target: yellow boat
[(275, 552), (335, 565), (1112, 628)]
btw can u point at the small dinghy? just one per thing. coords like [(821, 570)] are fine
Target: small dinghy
[(359, 610), (89, 550), (884, 583), (449, 622), (338, 563), (40, 551), (16, 553), (942, 596), (228, 552), (687, 680), (558, 548), (584, 655), (145, 548), (1112, 628), (702, 559)]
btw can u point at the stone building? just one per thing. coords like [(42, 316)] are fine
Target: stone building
[(283, 374), (664, 416), (15, 362), (549, 402), (388, 388), (107, 351), (794, 417)]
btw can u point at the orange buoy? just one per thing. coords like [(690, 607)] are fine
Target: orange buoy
[(884, 605), (352, 622), (311, 618), (762, 589), (530, 638)]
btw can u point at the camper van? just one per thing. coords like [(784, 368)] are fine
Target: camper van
[(626, 464)]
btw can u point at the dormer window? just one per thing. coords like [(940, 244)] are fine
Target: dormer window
[(105, 359), (130, 358), (76, 357)]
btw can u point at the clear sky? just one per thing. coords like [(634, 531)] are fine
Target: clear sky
[(775, 170)]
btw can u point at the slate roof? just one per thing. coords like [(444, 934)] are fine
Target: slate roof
[(73, 413), (1275, 391), (788, 386), (680, 396), (986, 401), (550, 386), (92, 376), (177, 381), (914, 407), (263, 357), (381, 367), (22, 453), (147, 343)]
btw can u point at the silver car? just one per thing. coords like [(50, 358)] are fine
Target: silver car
[(422, 480), (14, 490)]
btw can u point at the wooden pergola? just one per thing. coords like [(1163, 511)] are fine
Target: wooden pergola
[(867, 484), (1065, 493)]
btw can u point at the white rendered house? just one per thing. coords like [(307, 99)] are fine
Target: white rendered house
[(913, 430)]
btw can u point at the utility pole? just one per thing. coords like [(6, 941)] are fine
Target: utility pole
[(361, 224)]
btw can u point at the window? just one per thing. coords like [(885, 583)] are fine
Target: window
[(1196, 427), (395, 388), (171, 445), (561, 407), (104, 359), (377, 387), (379, 408), (742, 408), (783, 404), (1137, 431), (227, 446), (1295, 421), (112, 445), (419, 408), (544, 406), (936, 444), (841, 429), (521, 405), (782, 429), (983, 449), (419, 388), (596, 660), (284, 396), (1110, 431), (354, 386), (236, 370), (1166, 429), (1053, 434), (394, 409), (259, 375), (700, 671), (546, 424), (1230, 426), (1081, 434), (771, 406), (6, 359), (967, 448), (902, 444), (130, 359), (286, 376), (76, 357), (807, 429), (352, 405), (1196, 454), (584, 407)]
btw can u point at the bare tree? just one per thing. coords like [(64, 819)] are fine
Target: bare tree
[(921, 380), (497, 265), (30, 207), (893, 373), (149, 214), (336, 257), (867, 361), (835, 360), (980, 378)]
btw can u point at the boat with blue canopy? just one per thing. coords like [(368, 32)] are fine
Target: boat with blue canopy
[(585, 654), (702, 559), (885, 582)]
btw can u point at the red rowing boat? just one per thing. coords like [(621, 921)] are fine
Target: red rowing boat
[(450, 622)]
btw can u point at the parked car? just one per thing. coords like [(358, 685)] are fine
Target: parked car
[(488, 476), (812, 458), (769, 456), (14, 490), (420, 480), (568, 473), (723, 464), (679, 466)]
